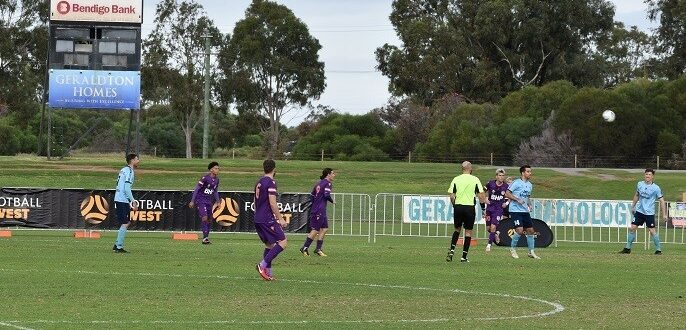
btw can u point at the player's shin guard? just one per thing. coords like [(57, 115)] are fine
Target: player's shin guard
[(320, 242), (630, 237), (465, 246), (453, 240), (264, 256), (273, 252), (121, 234), (656, 241), (308, 241), (515, 240), (530, 242), (205, 229)]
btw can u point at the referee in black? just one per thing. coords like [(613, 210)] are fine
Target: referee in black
[(463, 192)]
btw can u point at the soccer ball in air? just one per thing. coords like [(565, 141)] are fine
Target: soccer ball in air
[(609, 116)]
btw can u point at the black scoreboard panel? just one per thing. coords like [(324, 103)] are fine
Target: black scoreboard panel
[(95, 47)]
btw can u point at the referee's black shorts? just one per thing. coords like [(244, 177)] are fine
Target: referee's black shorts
[(464, 216)]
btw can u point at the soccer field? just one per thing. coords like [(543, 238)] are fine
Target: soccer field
[(53, 281)]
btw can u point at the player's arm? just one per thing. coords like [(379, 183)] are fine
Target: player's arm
[(327, 194), (510, 196), (196, 191), (128, 183), (275, 210), (451, 192), (216, 194), (634, 201)]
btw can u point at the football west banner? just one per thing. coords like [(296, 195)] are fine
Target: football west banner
[(86, 89), (158, 210)]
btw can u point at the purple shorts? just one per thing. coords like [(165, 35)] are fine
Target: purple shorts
[(318, 221), (495, 218), (204, 210), (270, 233)]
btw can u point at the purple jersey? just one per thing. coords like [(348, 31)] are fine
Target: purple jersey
[(263, 211), (207, 190), (321, 194), (496, 197)]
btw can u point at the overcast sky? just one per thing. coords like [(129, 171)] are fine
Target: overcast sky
[(349, 32)]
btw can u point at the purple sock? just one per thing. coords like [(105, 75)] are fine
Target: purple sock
[(264, 255), (308, 241), (319, 244), (205, 229), (272, 254), (491, 238)]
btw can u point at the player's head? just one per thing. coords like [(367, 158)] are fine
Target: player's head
[(268, 165), (509, 180), (500, 175), (648, 175), (213, 167), (525, 171), (466, 167), (132, 160), (328, 174)]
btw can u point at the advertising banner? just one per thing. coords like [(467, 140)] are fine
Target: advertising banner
[(569, 212), (677, 215), (431, 209), (543, 236), (158, 210), (94, 89), (123, 11)]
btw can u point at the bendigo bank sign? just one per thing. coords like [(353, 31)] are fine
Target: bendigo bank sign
[(123, 11)]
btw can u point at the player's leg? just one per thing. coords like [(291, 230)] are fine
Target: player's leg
[(323, 228), (315, 225), (517, 219), (639, 220), (123, 217), (275, 234), (650, 223), (530, 237), (489, 230), (457, 223), (320, 239), (470, 218)]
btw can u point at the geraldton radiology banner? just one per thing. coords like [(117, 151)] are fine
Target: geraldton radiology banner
[(159, 210), (89, 89)]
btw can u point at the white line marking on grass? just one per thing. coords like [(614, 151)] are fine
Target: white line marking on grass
[(10, 325), (557, 308)]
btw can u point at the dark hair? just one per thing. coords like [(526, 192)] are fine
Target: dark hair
[(649, 170), (268, 165), (325, 173), (211, 165), (523, 169), (130, 157)]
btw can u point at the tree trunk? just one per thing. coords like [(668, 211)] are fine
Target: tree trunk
[(188, 134)]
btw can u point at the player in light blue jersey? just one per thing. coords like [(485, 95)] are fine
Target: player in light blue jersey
[(124, 201), (520, 207), (643, 208)]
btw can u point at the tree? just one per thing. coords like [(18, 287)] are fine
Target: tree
[(626, 54), (671, 35), (23, 53), (173, 61), (271, 65), (485, 49)]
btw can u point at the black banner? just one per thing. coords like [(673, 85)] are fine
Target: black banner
[(543, 234), (158, 210)]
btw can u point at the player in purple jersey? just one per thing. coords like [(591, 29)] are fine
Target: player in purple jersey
[(321, 194), (206, 197), (495, 193), (269, 222)]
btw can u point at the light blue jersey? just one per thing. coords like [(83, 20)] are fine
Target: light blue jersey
[(522, 190), (124, 183), (647, 195)]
